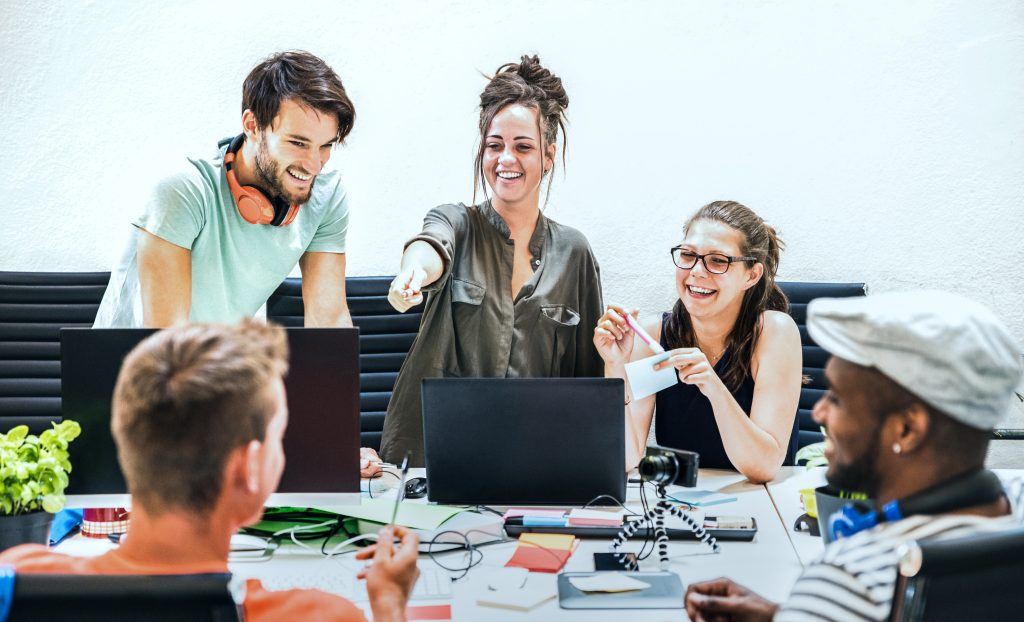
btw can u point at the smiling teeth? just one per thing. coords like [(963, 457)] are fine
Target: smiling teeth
[(298, 176), (509, 175), (701, 290)]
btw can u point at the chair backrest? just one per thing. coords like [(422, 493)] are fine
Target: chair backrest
[(800, 294), (117, 598), (34, 306), (972, 578), (385, 337)]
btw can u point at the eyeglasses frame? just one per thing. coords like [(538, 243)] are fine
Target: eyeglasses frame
[(700, 258)]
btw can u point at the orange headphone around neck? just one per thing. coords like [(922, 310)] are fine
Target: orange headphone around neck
[(253, 205)]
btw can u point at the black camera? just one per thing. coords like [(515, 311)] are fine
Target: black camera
[(666, 466)]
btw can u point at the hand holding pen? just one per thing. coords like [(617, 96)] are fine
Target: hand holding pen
[(613, 335)]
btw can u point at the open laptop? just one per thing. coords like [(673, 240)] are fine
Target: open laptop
[(524, 441), (321, 444)]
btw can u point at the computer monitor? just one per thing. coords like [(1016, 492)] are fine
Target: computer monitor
[(524, 441), (321, 443)]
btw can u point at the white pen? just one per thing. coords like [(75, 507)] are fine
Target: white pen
[(642, 334)]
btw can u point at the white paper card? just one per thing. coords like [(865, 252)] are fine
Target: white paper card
[(516, 599), (644, 381), (608, 582)]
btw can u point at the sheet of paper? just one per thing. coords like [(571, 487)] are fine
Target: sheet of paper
[(522, 599), (415, 515), (644, 381), (608, 582)]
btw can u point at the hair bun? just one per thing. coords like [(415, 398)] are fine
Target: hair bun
[(533, 73)]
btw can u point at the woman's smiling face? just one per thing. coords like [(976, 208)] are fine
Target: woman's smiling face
[(704, 293), (514, 160)]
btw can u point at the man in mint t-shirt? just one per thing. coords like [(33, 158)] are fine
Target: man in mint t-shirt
[(200, 255)]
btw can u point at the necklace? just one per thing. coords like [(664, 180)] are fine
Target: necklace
[(712, 358)]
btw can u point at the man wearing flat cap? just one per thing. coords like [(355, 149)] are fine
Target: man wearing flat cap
[(917, 383)]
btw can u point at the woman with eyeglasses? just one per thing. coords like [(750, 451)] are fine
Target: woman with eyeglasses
[(736, 351)]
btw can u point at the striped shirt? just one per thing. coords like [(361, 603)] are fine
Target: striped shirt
[(855, 578)]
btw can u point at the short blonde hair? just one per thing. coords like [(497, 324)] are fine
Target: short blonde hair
[(185, 399)]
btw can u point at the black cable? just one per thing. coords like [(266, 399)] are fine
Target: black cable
[(483, 508), (475, 556), (378, 475), (617, 502), (650, 526)]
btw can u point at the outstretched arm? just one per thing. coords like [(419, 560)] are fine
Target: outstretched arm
[(421, 266)]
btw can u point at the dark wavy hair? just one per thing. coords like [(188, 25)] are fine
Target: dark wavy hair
[(761, 241), (299, 75), (528, 84)]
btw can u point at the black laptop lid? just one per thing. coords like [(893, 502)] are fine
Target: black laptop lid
[(322, 441), (524, 441)]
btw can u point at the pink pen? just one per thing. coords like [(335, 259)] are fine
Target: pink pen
[(642, 334)]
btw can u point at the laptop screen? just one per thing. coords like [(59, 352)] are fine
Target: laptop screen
[(321, 443), (524, 441)]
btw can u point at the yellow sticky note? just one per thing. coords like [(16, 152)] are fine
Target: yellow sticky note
[(557, 541)]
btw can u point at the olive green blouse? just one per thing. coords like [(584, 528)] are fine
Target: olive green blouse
[(472, 327)]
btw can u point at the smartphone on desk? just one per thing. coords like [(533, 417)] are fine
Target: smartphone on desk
[(614, 561)]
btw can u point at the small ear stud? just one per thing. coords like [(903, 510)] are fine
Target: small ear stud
[(897, 449)]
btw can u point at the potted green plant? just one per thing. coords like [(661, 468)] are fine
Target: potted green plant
[(33, 475)]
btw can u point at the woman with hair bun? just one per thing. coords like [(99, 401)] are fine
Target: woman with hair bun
[(736, 351), (512, 293)]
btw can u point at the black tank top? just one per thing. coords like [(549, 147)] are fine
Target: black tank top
[(684, 418)]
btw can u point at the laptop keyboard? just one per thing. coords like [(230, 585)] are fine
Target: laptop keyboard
[(433, 584)]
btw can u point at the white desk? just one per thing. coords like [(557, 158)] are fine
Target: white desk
[(785, 494), (768, 565)]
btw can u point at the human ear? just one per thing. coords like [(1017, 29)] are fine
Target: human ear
[(249, 125), (549, 158), (253, 466), (909, 428), (754, 275)]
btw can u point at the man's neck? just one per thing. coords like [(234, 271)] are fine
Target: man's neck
[(245, 165), (177, 538)]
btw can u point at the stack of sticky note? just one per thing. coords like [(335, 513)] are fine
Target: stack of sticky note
[(537, 517), (579, 517), (543, 552)]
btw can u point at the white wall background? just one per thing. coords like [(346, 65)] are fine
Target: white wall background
[(883, 139)]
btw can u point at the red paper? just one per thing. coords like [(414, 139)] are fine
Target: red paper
[(536, 559), (429, 612)]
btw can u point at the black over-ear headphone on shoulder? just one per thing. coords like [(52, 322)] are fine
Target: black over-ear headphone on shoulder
[(253, 205), (979, 487)]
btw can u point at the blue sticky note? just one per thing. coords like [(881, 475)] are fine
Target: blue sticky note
[(700, 498), (543, 521)]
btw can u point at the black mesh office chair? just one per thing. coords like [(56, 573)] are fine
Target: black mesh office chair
[(800, 294), (117, 598), (385, 336), (973, 578), (34, 306)]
